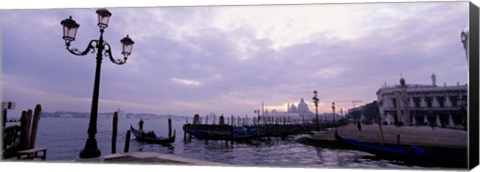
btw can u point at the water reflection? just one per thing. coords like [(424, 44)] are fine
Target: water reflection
[(64, 143)]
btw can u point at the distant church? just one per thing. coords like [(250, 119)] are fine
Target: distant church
[(301, 110)]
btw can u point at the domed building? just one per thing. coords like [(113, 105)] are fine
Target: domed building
[(302, 108), (292, 109)]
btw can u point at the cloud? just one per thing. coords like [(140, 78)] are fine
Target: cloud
[(229, 59), (186, 81)]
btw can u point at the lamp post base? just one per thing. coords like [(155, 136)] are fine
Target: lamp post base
[(91, 149)]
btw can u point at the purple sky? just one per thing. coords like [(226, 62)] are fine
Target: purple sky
[(229, 59)]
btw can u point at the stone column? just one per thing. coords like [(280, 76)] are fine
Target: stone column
[(435, 102), (448, 103), (423, 103), (410, 102)]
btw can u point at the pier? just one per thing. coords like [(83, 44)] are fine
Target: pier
[(241, 129), (447, 146), (19, 138), (407, 135)]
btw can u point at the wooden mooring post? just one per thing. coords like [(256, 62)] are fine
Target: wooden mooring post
[(127, 142), (196, 119), (169, 127), (231, 131), (114, 132), (4, 117), (24, 132), (221, 120), (184, 135), (36, 119)]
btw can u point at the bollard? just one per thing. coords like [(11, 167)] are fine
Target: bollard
[(36, 119), (127, 142), (114, 132), (169, 127)]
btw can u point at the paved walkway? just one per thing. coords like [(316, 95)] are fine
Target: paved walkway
[(409, 135), (153, 158)]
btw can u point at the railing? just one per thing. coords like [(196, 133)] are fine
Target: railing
[(19, 138), (11, 140)]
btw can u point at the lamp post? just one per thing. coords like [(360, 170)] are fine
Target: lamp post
[(464, 38), (315, 101), (102, 48), (333, 109)]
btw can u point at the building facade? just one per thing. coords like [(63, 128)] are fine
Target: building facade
[(417, 104)]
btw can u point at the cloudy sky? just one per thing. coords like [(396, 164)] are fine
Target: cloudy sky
[(230, 59)]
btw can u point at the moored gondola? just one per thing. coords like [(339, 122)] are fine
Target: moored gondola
[(409, 153), (150, 137), (385, 150), (221, 132)]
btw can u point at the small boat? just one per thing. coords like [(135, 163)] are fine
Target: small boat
[(386, 150), (429, 156), (150, 137)]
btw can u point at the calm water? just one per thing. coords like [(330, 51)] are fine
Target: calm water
[(65, 138)]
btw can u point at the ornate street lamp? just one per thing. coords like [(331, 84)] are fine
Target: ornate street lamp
[(464, 39), (315, 101), (102, 48)]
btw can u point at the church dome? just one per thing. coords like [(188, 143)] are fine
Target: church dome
[(293, 109), (302, 107)]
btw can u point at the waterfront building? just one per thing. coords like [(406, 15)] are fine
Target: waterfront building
[(423, 104), (356, 113)]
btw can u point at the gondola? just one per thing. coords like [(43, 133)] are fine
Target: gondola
[(411, 154), (385, 150), (151, 138)]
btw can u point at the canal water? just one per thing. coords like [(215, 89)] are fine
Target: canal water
[(65, 138)]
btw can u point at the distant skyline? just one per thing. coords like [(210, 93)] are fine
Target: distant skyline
[(230, 59)]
